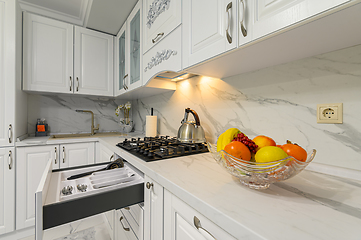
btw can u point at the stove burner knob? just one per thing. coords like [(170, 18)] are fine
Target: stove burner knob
[(138, 139), (126, 140)]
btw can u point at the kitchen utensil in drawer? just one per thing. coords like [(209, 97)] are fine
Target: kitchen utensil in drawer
[(118, 163)]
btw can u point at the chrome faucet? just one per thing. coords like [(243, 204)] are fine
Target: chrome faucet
[(92, 127)]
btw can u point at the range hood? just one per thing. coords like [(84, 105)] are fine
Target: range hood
[(175, 76)]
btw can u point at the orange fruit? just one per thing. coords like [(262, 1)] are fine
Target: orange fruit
[(238, 150), (295, 151)]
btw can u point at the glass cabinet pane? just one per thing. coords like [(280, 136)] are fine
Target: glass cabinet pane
[(135, 48), (121, 60)]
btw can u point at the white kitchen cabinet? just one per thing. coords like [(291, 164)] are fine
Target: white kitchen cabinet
[(180, 222), (76, 154), (153, 209), (31, 162), (104, 154), (270, 16), (93, 62), (59, 59), (7, 189), (209, 29), (159, 19), (128, 53), (13, 106)]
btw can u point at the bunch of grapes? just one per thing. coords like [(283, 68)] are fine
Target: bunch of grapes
[(246, 141)]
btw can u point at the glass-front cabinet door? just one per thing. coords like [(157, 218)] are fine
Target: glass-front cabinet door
[(121, 62), (135, 48)]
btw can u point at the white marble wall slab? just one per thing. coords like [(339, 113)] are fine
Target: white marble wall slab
[(59, 112), (279, 102)]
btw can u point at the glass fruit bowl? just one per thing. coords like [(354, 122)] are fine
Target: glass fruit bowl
[(259, 175)]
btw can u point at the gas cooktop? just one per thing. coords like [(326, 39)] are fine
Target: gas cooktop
[(162, 147)]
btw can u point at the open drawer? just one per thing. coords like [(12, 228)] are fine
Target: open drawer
[(106, 190)]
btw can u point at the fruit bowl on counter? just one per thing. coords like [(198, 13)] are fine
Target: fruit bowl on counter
[(259, 175)]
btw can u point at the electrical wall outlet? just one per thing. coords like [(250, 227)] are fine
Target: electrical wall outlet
[(329, 113)]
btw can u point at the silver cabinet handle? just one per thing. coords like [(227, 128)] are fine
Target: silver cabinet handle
[(10, 160), (77, 88), (198, 225), (71, 83), (243, 29), (63, 154), (56, 155), (125, 229), (124, 85), (10, 133), (149, 185), (229, 38), (159, 36)]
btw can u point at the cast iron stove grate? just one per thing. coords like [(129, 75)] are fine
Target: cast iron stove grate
[(162, 147)]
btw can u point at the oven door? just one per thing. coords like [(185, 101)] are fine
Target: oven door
[(104, 191)]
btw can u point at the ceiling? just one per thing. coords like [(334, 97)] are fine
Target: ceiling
[(103, 15)]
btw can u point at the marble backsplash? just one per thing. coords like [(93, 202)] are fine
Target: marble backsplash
[(279, 102), (59, 112)]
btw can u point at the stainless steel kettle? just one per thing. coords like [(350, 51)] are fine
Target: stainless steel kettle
[(190, 131)]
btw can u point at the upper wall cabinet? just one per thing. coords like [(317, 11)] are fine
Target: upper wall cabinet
[(128, 50), (49, 57), (209, 29), (160, 18), (93, 62)]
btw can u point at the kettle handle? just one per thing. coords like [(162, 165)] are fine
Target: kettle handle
[(195, 115)]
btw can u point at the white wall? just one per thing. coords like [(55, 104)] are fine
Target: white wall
[(279, 102)]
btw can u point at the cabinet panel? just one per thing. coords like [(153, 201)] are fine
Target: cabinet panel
[(135, 49), (7, 189), (270, 16), (206, 24), (7, 71), (153, 210), (31, 162), (105, 154), (48, 55), (159, 19), (93, 62), (179, 222), (78, 154)]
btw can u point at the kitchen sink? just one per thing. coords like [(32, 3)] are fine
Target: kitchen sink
[(85, 135)]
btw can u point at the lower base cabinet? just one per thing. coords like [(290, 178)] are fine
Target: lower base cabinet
[(182, 222)]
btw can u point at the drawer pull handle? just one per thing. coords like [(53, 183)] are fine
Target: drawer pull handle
[(63, 154), (10, 133), (198, 225), (71, 83), (56, 155), (229, 38), (159, 36), (125, 229), (10, 160), (243, 29), (149, 185)]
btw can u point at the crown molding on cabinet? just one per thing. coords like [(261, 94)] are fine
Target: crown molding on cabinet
[(80, 20)]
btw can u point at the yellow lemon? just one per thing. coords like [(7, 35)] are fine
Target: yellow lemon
[(270, 154)]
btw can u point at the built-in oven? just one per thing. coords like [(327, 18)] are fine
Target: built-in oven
[(60, 199)]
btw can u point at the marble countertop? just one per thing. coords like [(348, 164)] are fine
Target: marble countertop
[(310, 205)]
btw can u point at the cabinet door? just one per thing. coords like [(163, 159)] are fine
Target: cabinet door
[(105, 155), (31, 162), (121, 72), (7, 189), (76, 154), (273, 15), (7, 71), (48, 55), (159, 19), (179, 222), (93, 62), (153, 210), (206, 24), (134, 79)]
